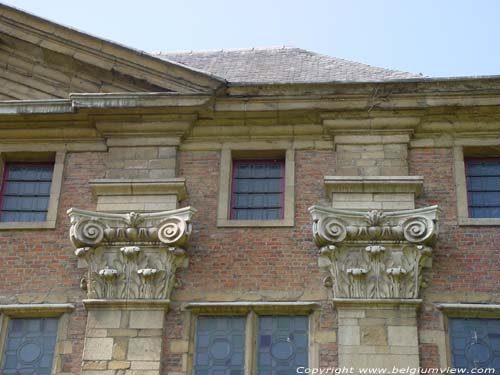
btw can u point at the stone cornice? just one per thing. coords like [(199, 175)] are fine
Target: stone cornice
[(105, 54), (374, 184), (171, 186)]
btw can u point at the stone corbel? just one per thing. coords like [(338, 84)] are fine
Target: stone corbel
[(130, 256), (375, 254)]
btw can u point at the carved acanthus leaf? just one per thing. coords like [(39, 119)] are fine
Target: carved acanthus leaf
[(130, 256), (374, 254)]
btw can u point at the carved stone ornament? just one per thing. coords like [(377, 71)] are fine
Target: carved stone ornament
[(130, 256), (374, 254)]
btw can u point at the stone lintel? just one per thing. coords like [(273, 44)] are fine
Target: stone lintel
[(127, 304), (374, 184), (469, 309), (244, 307), (36, 309)]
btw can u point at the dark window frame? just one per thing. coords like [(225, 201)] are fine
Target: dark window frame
[(5, 177), (236, 163)]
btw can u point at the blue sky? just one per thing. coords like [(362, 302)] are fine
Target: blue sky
[(437, 38)]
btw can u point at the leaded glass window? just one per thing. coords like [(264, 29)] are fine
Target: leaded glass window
[(483, 187), (257, 189), (282, 344), (475, 343), (279, 345), (220, 346), (29, 347), (26, 192)]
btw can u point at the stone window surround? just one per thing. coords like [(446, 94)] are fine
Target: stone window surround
[(460, 310), (62, 311), (31, 153), (244, 151), (252, 310), (461, 184)]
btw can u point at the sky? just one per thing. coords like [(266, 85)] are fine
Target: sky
[(438, 38)]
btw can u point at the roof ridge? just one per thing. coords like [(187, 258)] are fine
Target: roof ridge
[(218, 50)]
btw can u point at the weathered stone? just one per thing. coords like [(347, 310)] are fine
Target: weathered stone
[(371, 335), (146, 349), (146, 319), (98, 348)]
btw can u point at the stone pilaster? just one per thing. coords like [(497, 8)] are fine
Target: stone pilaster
[(380, 334), (123, 336), (131, 261), (374, 251)]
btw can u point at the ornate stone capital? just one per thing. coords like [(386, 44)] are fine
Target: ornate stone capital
[(374, 254), (130, 256)]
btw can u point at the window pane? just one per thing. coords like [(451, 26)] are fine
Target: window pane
[(220, 346), (475, 343), (282, 344), (26, 190), (30, 346), (257, 190), (483, 187)]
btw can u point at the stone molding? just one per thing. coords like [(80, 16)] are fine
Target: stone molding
[(470, 310), (375, 254), (243, 307), (374, 184), (169, 186), (130, 256)]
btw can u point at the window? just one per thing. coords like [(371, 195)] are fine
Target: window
[(26, 192), (257, 189), (30, 188), (475, 343), (278, 344), (483, 187), (29, 346)]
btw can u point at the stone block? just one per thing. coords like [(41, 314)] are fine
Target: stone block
[(345, 313), (94, 365), (98, 348), (145, 365), (103, 319), (144, 348), (402, 336), (146, 319), (373, 335), (118, 365), (120, 348), (179, 346), (325, 337), (122, 332), (349, 335)]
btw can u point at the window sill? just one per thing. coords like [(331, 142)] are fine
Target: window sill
[(28, 225), (254, 223), (479, 221)]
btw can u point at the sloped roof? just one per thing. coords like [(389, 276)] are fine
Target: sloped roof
[(282, 65)]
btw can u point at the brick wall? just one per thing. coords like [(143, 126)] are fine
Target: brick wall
[(465, 260), (228, 264)]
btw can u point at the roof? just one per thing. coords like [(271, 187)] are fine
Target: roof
[(282, 65)]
